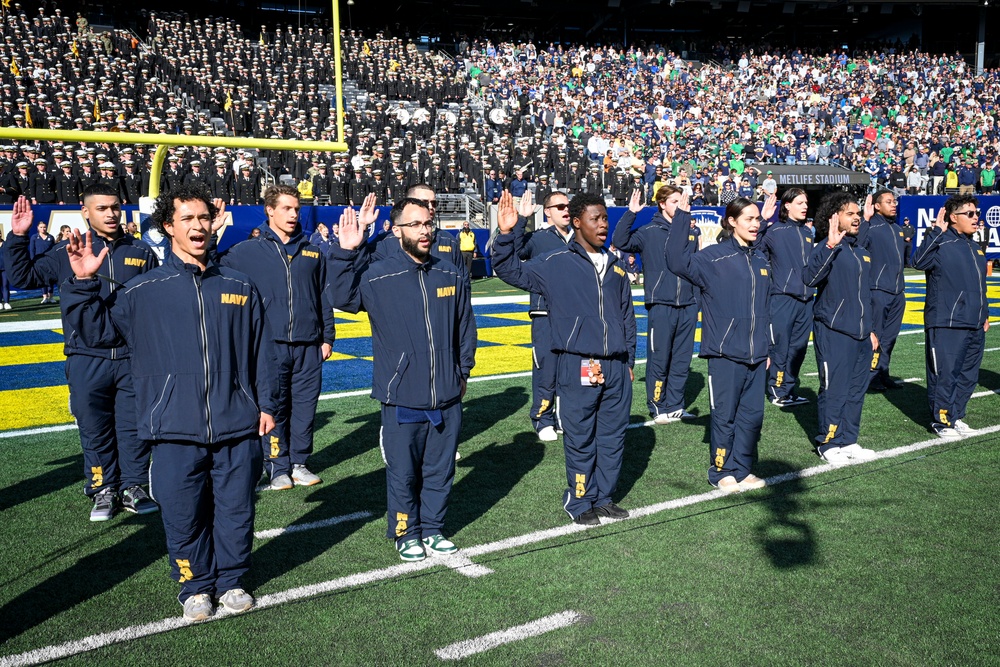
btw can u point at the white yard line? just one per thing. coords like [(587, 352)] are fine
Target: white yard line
[(299, 527), (78, 646), (464, 649)]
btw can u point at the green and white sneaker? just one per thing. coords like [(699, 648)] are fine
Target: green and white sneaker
[(439, 546), (411, 550), (105, 504)]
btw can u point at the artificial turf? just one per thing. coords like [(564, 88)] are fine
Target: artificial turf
[(888, 563)]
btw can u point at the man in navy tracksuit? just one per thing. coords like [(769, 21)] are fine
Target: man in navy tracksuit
[(102, 399), (424, 348), (543, 360), (445, 246), (670, 302), (845, 342), (202, 392), (886, 243), (956, 313), (787, 245), (593, 335), (290, 275)]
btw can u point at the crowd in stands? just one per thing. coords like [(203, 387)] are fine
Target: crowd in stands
[(498, 117)]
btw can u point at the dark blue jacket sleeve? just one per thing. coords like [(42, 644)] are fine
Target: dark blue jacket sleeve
[(925, 256), (466, 330), (104, 323), (625, 238), (344, 269), (25, 272), (818, 266), (265, 379), (630, 329), (511, 270), (680, 260)]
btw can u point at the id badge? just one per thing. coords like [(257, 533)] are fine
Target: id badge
[(591, 373)]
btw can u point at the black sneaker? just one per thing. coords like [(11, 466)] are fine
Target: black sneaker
[(798, 400), (612, 511), (136, 500), (588, 518)]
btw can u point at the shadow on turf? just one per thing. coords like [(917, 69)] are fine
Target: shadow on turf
[(784, 538), (87, 578), (70, 471), (277, 556)]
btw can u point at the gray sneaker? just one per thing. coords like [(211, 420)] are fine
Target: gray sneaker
[(104, 505), (281, 483), (136, 500), (236, 600), (302, 477), (198, 607)]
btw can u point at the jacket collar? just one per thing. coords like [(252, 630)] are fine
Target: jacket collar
[(298, 238), (174, 262)]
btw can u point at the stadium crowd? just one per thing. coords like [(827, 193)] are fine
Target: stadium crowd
[(596, 119)]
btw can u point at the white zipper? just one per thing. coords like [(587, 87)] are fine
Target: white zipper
[(430, 335)]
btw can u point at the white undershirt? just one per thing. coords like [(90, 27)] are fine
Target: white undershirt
[(600, 261)]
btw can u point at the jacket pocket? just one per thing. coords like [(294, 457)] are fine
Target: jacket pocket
[(397, 377), (726, 334), (159, 406), (573, 332)]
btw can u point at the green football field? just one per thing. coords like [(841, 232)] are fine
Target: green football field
[(890, 562)]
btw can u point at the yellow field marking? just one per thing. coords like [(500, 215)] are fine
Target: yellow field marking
[(28, 408), (31, 354)]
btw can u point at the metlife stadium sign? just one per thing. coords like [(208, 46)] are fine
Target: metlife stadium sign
[(922, 212)]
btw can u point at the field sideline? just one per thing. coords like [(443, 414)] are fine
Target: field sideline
[(888, 562)]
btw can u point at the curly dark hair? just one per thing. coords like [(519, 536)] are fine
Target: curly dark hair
[(580, 202), (956, 202), (835, 202), (164, 209)]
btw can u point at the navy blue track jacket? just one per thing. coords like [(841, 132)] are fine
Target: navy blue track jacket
[(195, 338), (787, 245), (661, 285), (588, 316), (536, 244), (885, 243), (287, 285), (423, 328), (956, 280), (127, 258), (735, 284), (843, 278)]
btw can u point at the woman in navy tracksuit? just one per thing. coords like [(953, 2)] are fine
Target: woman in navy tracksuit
[(735, 283)]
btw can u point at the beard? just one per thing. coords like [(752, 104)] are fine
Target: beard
[(411, 248)]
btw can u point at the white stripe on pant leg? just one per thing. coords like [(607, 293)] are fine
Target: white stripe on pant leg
[(826, 376), (711, 394), (381, 447), (652, 345), (934, 360)]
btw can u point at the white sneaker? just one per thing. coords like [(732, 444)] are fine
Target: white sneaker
[(6, 306), (858, 453), (836, 456), (458, 455), (198, 607), (45, 299), (236, 600), (963, 428), (548, 434), (945, 432)]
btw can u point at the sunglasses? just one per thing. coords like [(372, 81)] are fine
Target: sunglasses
[(971, 214), (561, 207)]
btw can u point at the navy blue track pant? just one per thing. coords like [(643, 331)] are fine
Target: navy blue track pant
[(736, 395), (670, 343), (102, 400), (594, 420), (953, 360), (206, 497), (887, 318), (844, 368), (419, 471), (543, 374), (300, 378), (791, 324)]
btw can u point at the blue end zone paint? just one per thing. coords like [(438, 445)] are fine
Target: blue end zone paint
[(347, 375), (29, 338), (32, 376)]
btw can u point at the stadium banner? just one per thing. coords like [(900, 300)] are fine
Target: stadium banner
[(922, 211)]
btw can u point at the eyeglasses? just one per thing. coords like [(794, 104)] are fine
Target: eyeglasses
[(430, 202), (560, 207), (971, 214), (419, 226)]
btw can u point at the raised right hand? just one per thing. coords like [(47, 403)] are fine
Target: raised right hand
[(351, 233), (20, 221), (506, 213), (81, 255), (835, 236)]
